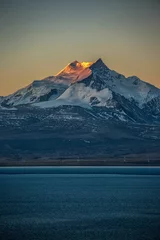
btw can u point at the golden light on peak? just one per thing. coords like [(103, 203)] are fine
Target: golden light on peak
[(86, 64)]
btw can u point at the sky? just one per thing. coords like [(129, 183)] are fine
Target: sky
[(38, 38)]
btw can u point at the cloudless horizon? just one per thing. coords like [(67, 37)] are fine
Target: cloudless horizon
[(39, 38)]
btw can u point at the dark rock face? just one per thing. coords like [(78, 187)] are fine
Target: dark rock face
[(47, 96), (98, 64)]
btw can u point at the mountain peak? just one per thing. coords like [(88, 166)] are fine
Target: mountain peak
[(75, 71), (98, 64), (75, 67), (99, 60)]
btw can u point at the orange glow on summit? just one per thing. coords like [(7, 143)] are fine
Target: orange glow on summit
[(82, 71)]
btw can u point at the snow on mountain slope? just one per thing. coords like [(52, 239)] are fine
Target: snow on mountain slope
[(39, 90), (7, 109), (79, 92), (4, 108), (131, 88), (80, 95)]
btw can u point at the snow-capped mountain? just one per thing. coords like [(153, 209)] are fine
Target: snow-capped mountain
[(88, 85), (86, 109), (84, 83)]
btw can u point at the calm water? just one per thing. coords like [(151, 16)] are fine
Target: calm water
[(109, 203)]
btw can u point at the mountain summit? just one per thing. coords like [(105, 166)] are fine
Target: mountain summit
[(98, 64), (75, 71)]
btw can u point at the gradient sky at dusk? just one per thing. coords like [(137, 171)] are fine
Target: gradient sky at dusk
[(38, 38)]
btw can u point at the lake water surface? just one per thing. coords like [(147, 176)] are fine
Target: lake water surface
[(75, 203)]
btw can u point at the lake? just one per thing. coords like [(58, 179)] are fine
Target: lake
[(75, 203)]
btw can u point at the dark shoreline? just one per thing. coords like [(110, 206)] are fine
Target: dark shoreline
[(75, 162)]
